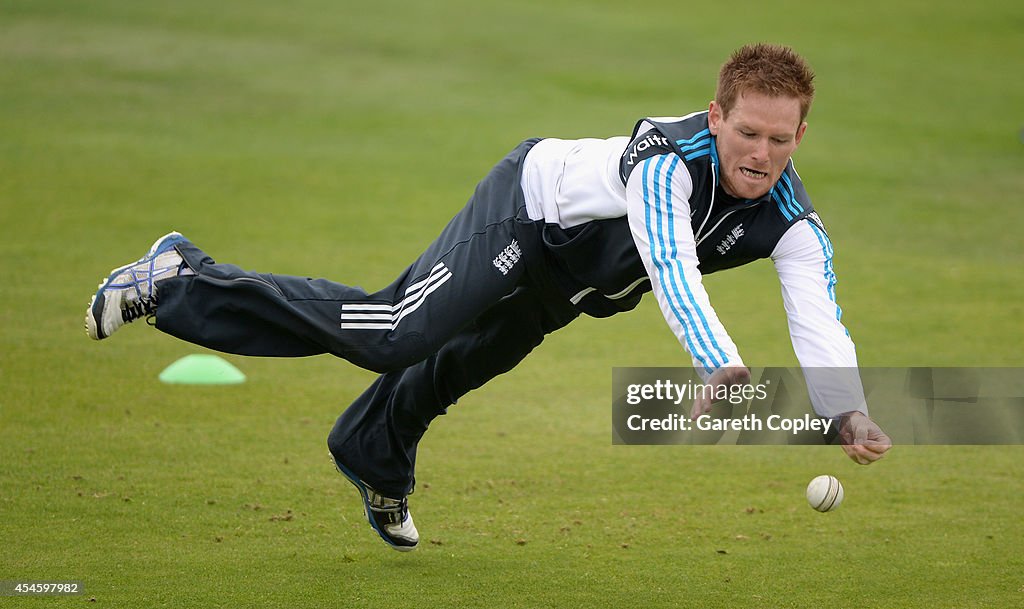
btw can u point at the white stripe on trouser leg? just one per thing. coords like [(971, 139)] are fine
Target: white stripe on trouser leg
[(411, 291), (366, 326), (366, 307), (378, 316), (427, 292)]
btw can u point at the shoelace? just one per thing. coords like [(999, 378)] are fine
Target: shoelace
[(395, 509), (143, 306)]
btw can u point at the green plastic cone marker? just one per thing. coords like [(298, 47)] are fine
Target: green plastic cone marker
[(202, 369)]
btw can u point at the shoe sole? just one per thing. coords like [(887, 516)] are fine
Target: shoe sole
[(356, 482), (94, 314)]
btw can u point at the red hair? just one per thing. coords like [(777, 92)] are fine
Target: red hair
[(769, 69)]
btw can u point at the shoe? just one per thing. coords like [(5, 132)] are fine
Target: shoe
[(130, 291), (389, 517)]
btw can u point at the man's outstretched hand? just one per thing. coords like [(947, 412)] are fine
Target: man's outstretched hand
[(862, 439), (727, 376)]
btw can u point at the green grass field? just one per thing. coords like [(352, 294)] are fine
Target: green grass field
[(335, 139)]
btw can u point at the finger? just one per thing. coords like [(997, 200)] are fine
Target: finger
[(860, 459), (861, 453), (876, 447), (879, 438), (868, 456), (860, 434), (852, 453), (698, 408), (740, 376)]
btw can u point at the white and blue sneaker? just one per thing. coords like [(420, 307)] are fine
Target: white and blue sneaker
[(129, 292), (390, 518)]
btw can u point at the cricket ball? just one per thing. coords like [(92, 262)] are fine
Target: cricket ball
[(825, 493)]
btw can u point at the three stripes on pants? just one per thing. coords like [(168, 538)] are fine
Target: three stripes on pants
[(387, 316)]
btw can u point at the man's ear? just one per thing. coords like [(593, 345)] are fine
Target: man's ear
[(714, 117), (800, 133)]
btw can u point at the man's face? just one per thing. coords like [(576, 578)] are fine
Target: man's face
[(755, 141)]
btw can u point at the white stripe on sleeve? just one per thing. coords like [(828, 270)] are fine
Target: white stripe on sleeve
[(657, 201), (803, 261)]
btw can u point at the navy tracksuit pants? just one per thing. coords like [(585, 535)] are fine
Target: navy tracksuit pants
[(471, 307)]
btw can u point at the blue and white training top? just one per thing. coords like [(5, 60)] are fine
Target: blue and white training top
[(627, 215)]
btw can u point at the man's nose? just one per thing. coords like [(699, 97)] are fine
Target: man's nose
[(760, 152)]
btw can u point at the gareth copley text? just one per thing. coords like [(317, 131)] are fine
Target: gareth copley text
[(748, 422)]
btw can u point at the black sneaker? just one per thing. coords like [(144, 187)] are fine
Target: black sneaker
[(389, 517)]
